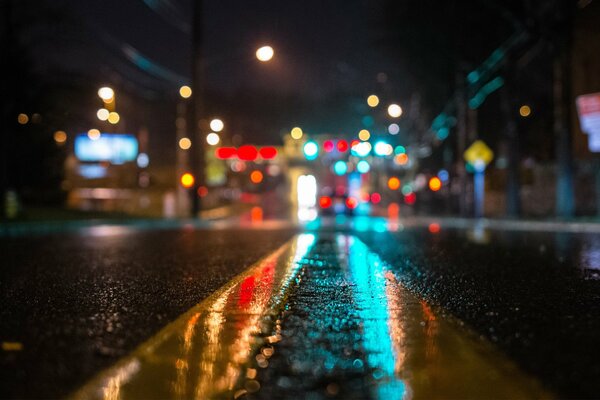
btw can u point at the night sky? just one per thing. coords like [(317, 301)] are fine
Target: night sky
[(321, 47)]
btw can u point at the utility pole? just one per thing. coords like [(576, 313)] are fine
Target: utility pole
[(196, 109), (565, 199), (461, 130), (513, 183)]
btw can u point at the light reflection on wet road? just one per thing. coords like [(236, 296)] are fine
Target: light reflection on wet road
[(321, 317)]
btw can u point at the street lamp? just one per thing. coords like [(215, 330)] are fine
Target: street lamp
[(394, 110), (265, 53), (185, 91), (106, 94), (217, 125)]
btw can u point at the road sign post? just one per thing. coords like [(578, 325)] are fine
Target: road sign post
[(479, 155)]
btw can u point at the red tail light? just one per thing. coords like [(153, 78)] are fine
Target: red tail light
[(325, 201)]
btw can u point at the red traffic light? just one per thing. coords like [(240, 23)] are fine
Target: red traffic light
[(268, 152), (224, 153), (247, 153), (325, 201)]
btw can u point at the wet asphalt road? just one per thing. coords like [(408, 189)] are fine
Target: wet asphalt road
[(535, 295), (78, 302)]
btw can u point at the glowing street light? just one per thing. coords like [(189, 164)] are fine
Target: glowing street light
[(102, 114), (364, 135), (525, 111), (296, 133), (185, 91), (94, 134), (114, 118), (265, 53), (185, 143), (60, 137), (187, 180), (394, 110), (106, 94), (373, 100), (217, 125), (213, 139)]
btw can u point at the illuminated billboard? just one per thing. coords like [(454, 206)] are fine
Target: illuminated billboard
[(116, 148)]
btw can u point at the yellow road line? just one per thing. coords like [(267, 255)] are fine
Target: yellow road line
[(203, 353), (215, 349)]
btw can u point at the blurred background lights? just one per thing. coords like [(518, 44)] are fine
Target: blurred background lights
[(256, 176), (185, 91), (113, 118), (185, 143), (342, 146), (363, 167), (340, 167), (106, 93), (364, 135), (328, 146), (394, 110), (443, 175), (217, 125), (525, 111), (442, 133), (93, 134), (265, 53), (311, 150), (383, 149), (296, 133), (361, 149), (187, 180), (393, 129), (373, 100), (60, 137), (393, 183), (401, 159), (213, 139), (399, 149), (435, 184), (143, 160), (22, 119), (102, 114)]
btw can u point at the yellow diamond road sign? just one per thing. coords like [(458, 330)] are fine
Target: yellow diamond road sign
[(478, 154)]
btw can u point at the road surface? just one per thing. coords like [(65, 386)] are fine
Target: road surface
[(366, 309)]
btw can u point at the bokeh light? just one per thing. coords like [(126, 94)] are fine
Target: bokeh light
[(213, 139), (93, 134), (60, 137), (106, 94), (22, 119), (296, 133), (265, 53), (114, 118), (394, 129), (394, 110), (187, 180), (256, 176), (102, 114), (525, 111), (435, 184), (363, 166), (217, 125), (364, 135), (185, 143), (185, 91), (393, 183), (373, 100)]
